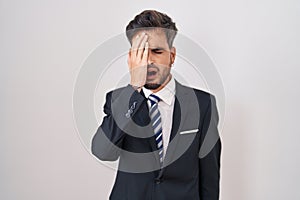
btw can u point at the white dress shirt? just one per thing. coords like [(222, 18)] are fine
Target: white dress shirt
[(165, 107)]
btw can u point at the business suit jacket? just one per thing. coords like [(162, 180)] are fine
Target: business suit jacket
[(191, 168)]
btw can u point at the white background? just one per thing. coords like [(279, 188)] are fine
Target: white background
[(254, 44)]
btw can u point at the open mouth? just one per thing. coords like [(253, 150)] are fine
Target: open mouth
[(151, 73)]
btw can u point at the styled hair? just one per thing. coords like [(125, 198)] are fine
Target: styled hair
[(151, 19)]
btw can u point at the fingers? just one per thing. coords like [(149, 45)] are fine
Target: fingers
[(138, 45), (135, 44), (137, 60), (142, 47), (145, 54), (137, 40)]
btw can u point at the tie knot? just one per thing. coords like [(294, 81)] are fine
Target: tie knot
[(153, 99)]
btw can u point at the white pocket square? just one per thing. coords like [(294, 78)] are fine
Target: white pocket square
[(189, 131)]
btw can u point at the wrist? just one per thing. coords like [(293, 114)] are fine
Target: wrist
[(135, 87)]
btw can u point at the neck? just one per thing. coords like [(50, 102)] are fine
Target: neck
[(163, 85)]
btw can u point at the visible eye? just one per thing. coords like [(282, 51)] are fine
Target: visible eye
[(157, 51)]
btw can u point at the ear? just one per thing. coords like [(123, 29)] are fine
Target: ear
[(172, 54), (129, 52), (128, 57)]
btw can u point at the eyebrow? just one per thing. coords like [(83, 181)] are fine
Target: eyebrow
[(157, 48)]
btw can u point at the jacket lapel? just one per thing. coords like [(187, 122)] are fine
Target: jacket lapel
[(180, 111), (179, 115)]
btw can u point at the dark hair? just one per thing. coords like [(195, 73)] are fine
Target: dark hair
[(152, 19)]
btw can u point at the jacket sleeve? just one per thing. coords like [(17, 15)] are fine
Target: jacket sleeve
[(119, 108), (209, 155)]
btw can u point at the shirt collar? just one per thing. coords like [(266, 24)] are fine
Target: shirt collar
[(166, 94)]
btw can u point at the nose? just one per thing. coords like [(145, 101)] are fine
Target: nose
[(150, 57)]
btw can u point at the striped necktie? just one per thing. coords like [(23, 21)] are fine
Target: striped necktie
[(156, 124)]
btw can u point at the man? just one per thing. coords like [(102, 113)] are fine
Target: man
[(163, 133)]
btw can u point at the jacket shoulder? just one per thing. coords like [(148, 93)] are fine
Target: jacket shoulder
[(116, 91), (201, 94)]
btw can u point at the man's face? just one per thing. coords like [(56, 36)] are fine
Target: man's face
[(160, 59)]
